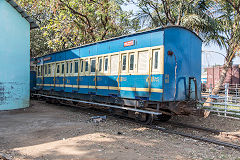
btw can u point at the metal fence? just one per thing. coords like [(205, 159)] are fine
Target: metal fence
[(226, 103)]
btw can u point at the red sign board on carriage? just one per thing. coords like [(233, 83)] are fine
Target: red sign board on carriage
[(129, 43)]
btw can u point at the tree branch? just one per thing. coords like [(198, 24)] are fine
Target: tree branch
[(168, 12), (235, 6), (87, 21)]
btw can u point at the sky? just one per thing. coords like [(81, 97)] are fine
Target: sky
[(208, 58)]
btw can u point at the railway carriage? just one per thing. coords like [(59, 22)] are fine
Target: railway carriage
[(155, 72)]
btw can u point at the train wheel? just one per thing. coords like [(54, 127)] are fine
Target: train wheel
[(144, 118), (149, 119)]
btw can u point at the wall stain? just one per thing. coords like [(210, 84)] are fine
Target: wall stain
[(10, 92)]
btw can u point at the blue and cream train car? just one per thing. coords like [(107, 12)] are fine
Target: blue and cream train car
[(152, 72)]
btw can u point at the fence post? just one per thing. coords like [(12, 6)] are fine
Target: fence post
[(226, 98), (236, 90), (210, 89), (211, 99)]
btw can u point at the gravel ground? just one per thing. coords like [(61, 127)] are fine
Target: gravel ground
[(46, 131)]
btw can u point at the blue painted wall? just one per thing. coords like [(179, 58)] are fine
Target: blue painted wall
[(186, 58), (145, 39), (14, 58), (142, 40), (186, 47)]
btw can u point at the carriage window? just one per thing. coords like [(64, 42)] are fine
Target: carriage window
[(86, 66), (143, 62), (71, 66), (155, 59), (100, 64), (67, 67), (49, 69), (131, 66), (124, 62), (62, 68), (45, 69), (42, 71), (53, 69), (76, 67), (93, 65), (38, 69), (82, 62), (114, 64), (106, 64), (58, 68)]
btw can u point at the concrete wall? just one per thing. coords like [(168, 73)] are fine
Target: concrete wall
[(14, 58)]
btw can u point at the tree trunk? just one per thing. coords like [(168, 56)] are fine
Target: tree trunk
[(228, 63), (223, 75)]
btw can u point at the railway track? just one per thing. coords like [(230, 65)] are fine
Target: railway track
[(200, 138), (170, 131), (195, 137)]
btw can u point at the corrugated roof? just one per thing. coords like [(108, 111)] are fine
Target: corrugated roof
[(23, 13)]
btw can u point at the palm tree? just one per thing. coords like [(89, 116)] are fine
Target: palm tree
[(216, 21), (228, 35), (192, 14), (234, 3)]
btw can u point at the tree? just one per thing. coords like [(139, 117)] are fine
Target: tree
[(70, 23), (192, 14), (215, 21), (40, 12), (228, 36), (235, 4)]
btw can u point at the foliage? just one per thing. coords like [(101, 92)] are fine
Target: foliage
[(228, 36), (234, 3), (69, 23), (214, 20), (192, 14)]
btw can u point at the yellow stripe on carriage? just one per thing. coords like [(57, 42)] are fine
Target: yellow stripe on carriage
[(157, 90)]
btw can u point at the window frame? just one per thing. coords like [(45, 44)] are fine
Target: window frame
[(129, 63), (58, 68), (126, 62), (63, 68), (74, 67), (100, 65), (67, 67), (81, 67), (117, 66), (147, 65), (86, 66), (45, 70), (106, 71), (71, 68), (49, 69), (38, 70), (53, 69), (42, 70), (154, 59), (92, 59)]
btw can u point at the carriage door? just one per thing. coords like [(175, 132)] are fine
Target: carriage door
[(52, 75), (42, 76), (142, 78), (92, 78), (125, 80), (114, 76), (57, 77), (68, 78), (39, 77)]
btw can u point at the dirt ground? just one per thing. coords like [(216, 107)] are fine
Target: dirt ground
[(46, 131)]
